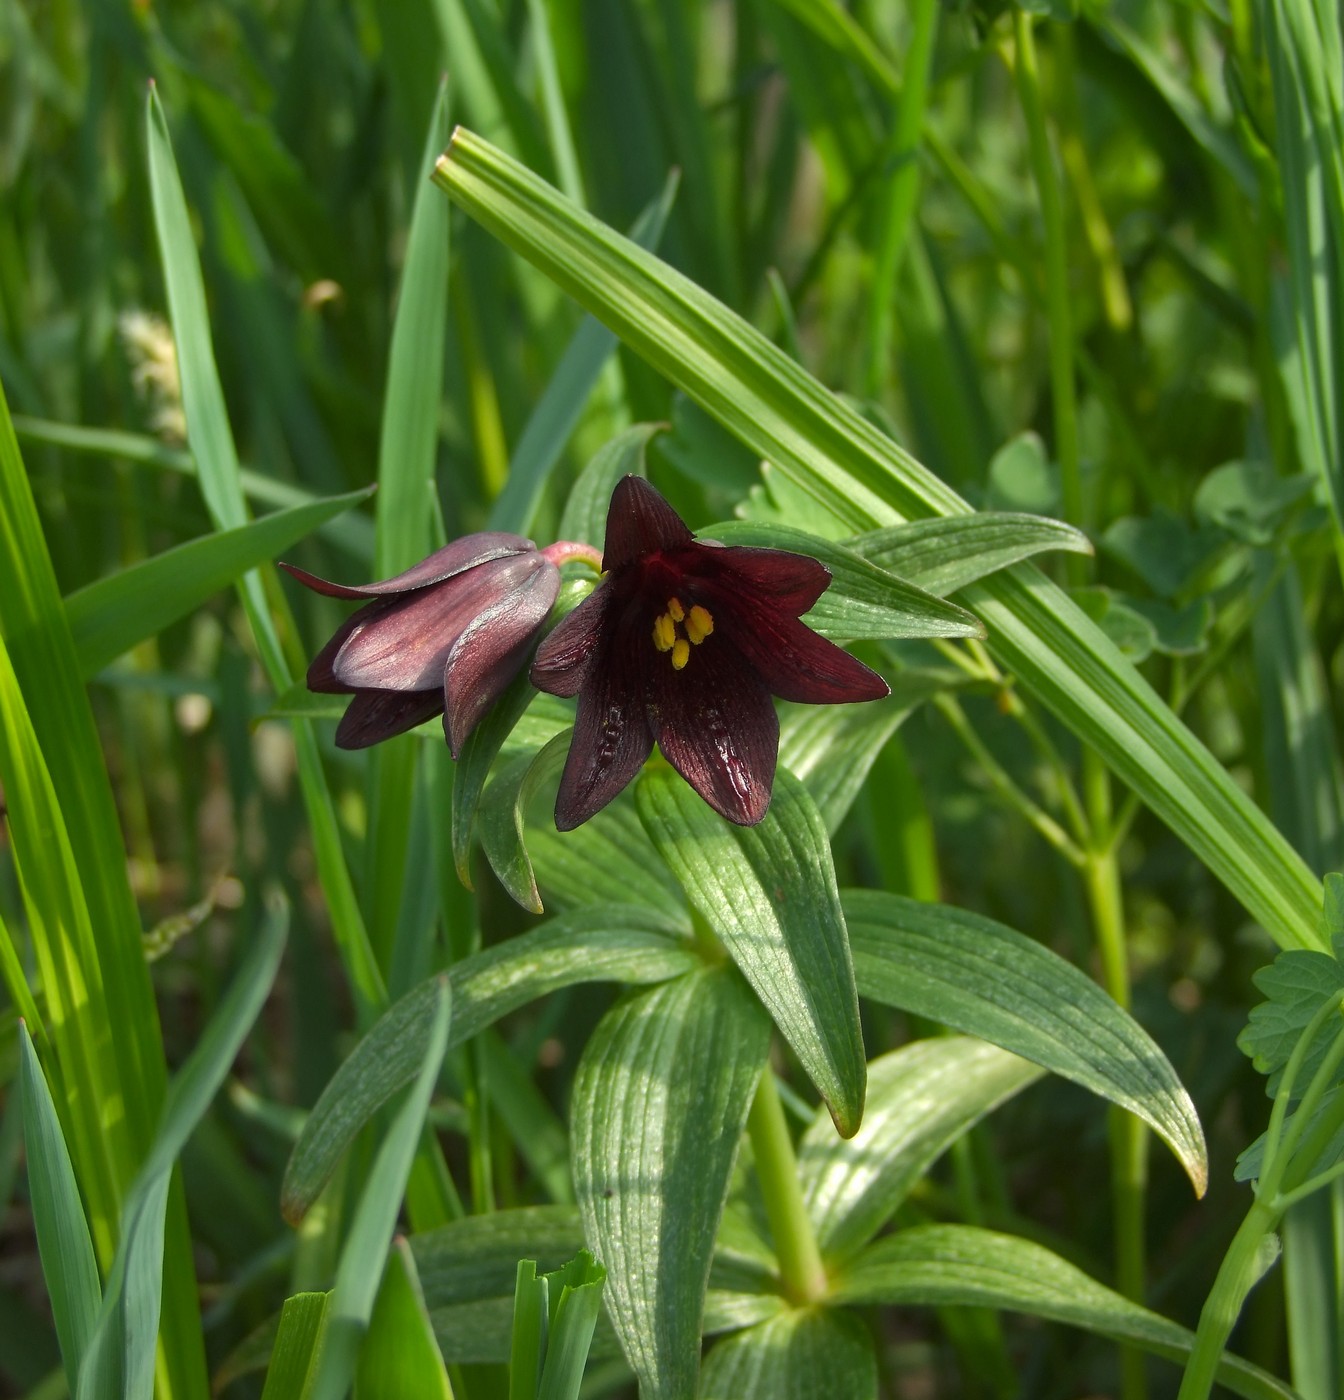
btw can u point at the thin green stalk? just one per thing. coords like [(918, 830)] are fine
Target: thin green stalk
[(1002, 782), (1101, 872), (800, 1265), (902, 159), (1242, 1268)]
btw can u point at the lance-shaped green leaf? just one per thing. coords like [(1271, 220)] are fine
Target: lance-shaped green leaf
[(978, 976), (803, 1354), (941, 556), (609, 859), (527, 1350), (504, 811), (558, 410), (114, 614), (119, 1361), (660, 1100), (474, 762), (962, 1265), (862, 600), (362, 1260), (867, 481), (613, 943), (477, 1257), (400, 1356), (832, 748), (921, 1099), (69, 1269), (768, 892), (585, 514)]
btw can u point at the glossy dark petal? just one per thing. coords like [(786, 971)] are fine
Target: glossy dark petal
[(611, 736), (406, 647), (718, 728), (375, 715), (321, 677), (794, 662), (789, 582), (565, 658), (492, 647), (640, 522), (454, 558)]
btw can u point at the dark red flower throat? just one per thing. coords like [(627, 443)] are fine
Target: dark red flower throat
[(683, 643)]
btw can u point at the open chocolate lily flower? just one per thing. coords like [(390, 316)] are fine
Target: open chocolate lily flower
[(447, 636), (683, 643)]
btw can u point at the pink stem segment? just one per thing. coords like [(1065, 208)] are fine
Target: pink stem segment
[(564, 550)]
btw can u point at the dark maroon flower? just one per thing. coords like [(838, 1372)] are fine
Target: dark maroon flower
[(683, 643), (446, 637)]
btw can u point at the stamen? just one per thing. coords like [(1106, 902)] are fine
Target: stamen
[(699, 624), (674, 610), (681, 653), (664, 632)]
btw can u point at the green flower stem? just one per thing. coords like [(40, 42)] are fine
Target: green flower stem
[(1128, 1138), (1242, 1268), (800, 1265)]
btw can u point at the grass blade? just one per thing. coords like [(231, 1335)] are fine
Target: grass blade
[(68, 1266)]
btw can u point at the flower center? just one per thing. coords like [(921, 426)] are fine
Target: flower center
[(697, 624)]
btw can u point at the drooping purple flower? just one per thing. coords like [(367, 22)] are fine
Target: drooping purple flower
[(682, 644), (447, 636)]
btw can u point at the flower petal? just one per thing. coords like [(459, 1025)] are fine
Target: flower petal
[(454, 558), (405, 648), (640, 522), (321, 677), (486, 657), (793, 661), (375, 715), (564, 659), (788, 582), (718, 728), (611, 736)]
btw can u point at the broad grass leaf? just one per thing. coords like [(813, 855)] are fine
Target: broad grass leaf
[(978, 976), (965, 1266), (921, 1099), (943, 556), (803, 1354), (659, 1104), (768, 892), (617, 943), (115, 613)]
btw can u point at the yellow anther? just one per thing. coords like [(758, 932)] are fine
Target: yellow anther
[(681, 653), (674, 609), (699, 624), (664, 632)]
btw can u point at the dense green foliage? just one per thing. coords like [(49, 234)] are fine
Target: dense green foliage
[(1028, 322)]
